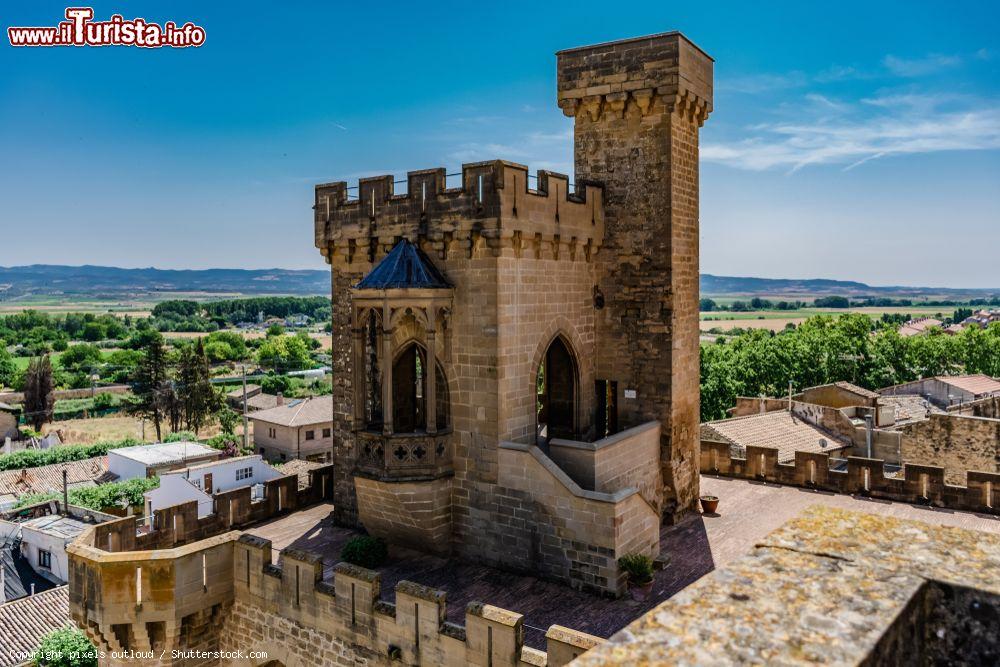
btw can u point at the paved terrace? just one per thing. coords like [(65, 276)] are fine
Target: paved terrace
[(747, 512)]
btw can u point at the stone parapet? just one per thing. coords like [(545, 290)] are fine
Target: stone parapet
[(549, 524), (831, 587), (921, 484), (494, 207)]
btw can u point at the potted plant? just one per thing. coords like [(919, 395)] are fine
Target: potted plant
[(638, 569), (709, 504)]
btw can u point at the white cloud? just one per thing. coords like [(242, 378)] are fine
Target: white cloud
[(929, 64), (878, 127)]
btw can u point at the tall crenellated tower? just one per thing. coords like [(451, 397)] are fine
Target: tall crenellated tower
[(637, 106)]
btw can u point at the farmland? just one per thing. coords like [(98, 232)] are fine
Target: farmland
[(776, 320)]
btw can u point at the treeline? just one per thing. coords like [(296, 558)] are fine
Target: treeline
[(708, 305), (824, 349), (182, 315)]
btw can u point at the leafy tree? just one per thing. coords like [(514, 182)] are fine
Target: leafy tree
[(706, 305), (832, 302), (228, 420), (8, 369), (151, 386), (120, 495), (284, 353), (39, 396), (66, 647), (199, 399), (275, 330)]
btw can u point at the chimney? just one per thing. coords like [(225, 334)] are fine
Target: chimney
[(868, 433), (65, 492), (280, 399)]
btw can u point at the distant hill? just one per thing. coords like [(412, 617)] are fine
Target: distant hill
[(99, 281), (745, 286), (44, 280)]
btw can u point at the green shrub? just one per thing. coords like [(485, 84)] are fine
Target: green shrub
[(365, 551), (181, 436), (66, 647), (100, 498), (33, 458), (638, 568)]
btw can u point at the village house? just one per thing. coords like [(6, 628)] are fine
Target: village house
[(41, 533), (297, 429), (142, 461), (256, 399), (199, 483)]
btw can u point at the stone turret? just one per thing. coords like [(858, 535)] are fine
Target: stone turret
[(637, 105)]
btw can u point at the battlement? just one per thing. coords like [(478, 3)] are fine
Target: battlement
[(664, 72), (495, 207), (920, 484), (226, 593)]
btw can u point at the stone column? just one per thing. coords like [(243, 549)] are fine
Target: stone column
[(637, 105), (430, 382), (359, 375), (386, 371)]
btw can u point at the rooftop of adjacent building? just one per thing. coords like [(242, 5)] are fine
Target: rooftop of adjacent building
[(57, 525), (299, 412), (781, 429), (47, 479), (19, 578), (162, 453), (747, 513), (24, 622)]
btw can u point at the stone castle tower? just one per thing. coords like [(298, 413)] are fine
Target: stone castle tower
[(515, 359)]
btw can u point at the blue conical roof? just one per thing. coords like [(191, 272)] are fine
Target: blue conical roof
[(406, 265)]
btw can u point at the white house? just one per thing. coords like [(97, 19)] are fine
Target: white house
[(44, 530), (143, 461), (200, 482)]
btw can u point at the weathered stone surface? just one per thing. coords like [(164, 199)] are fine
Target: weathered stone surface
[(831, 587)]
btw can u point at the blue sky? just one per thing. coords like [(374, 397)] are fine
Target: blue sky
[(849, 140)]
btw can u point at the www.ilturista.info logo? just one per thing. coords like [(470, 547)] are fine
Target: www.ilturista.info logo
[(79, 29)]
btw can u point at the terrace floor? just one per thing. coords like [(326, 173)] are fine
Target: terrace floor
[(747, 512)]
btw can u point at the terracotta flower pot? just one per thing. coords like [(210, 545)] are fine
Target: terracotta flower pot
[(709, 504), (641, 592)]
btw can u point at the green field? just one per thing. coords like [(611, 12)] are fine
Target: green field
[(778, 319)]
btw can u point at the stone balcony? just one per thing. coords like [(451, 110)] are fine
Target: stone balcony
[(404, 456)]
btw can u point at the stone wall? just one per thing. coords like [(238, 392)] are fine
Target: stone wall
[(66, 394), (546, 524), (921, 484), (985, 407), (628, 459), (637, 106), (414, 514), (225, 594), (955, 443)]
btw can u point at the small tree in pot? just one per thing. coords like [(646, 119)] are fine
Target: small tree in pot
[(638, 569)]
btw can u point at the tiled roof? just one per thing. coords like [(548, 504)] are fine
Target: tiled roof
[(299, 467), (406, 266), (299, 412), (974, 384), (24, 622), (45, 479), (780, 429), (910, 407), (855, 389), (252, 390)]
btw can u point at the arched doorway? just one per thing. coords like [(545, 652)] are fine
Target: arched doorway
[(556, 383)]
